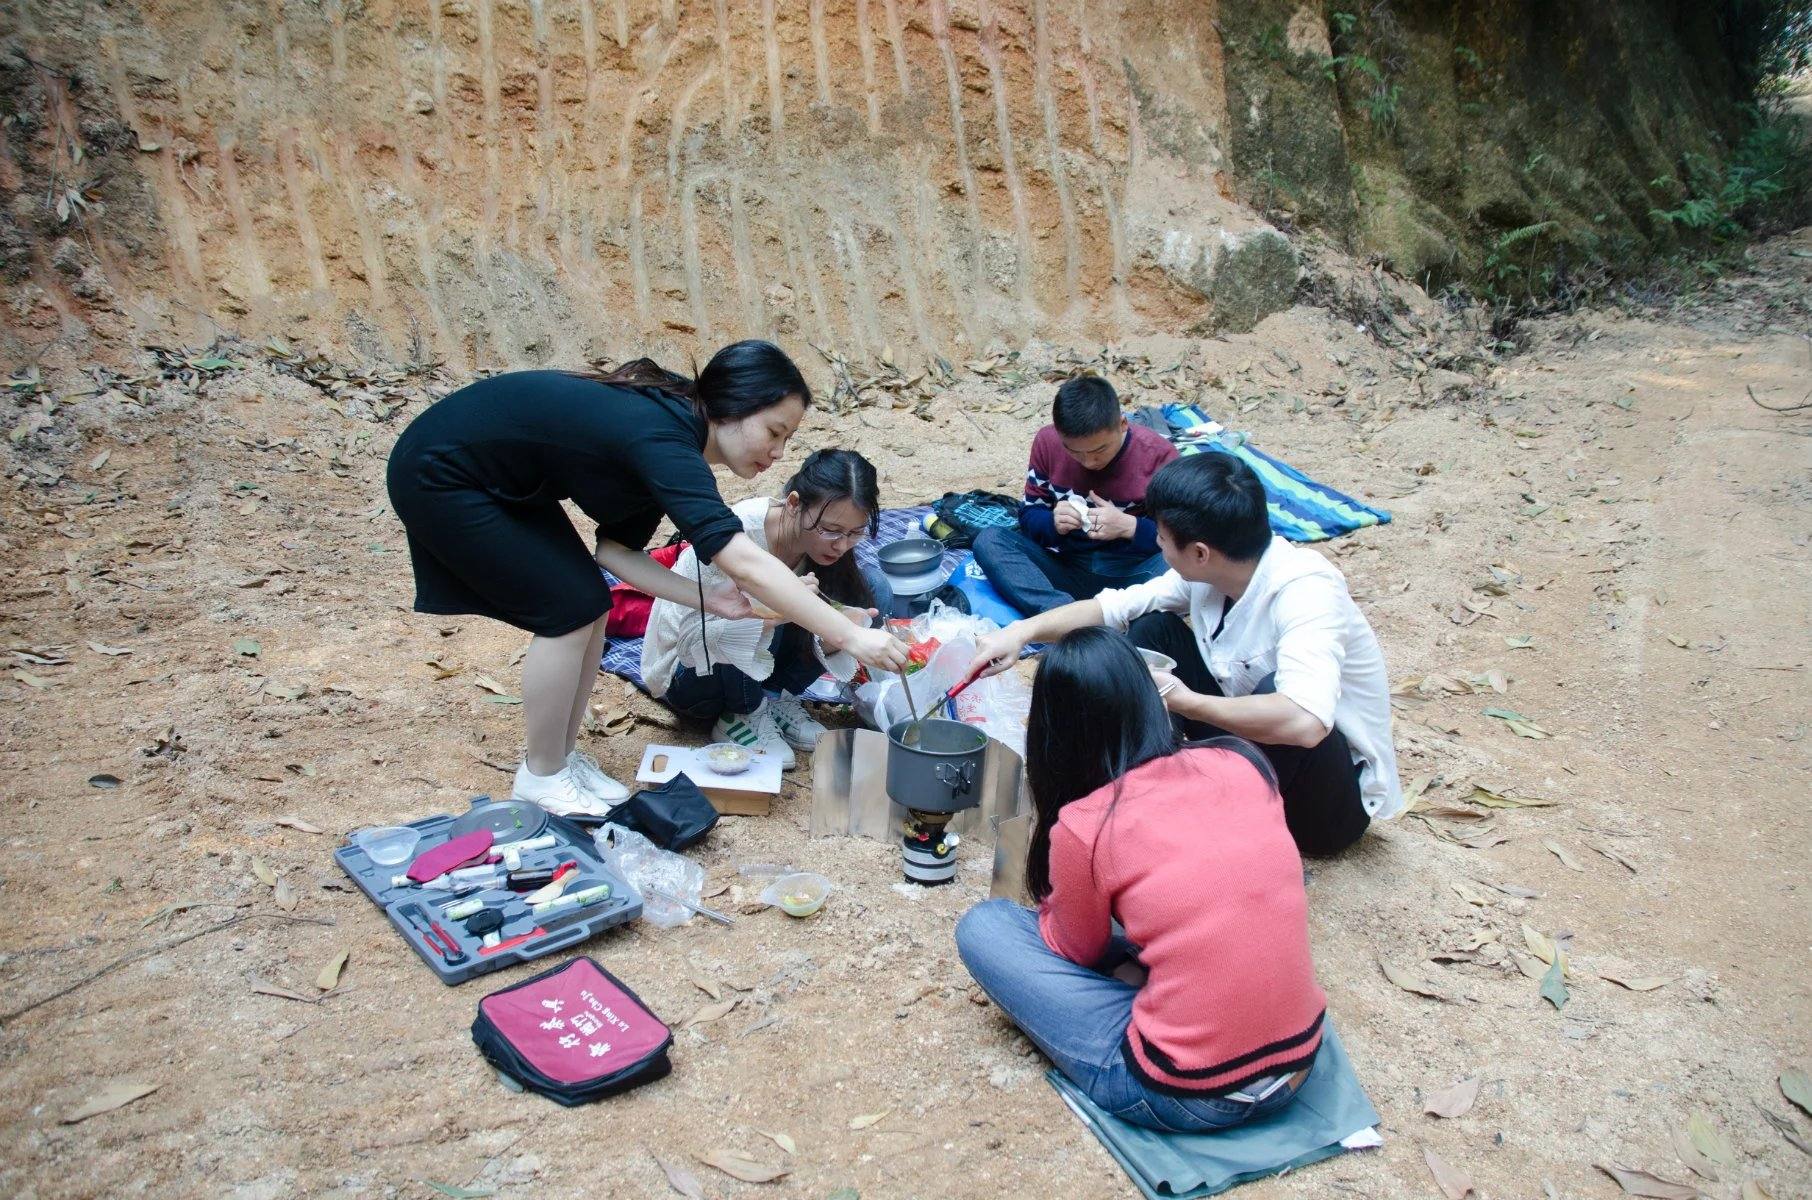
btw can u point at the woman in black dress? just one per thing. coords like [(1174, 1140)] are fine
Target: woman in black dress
[(478, 479)]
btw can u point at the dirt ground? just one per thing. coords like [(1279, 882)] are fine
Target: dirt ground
[(1608, 518)]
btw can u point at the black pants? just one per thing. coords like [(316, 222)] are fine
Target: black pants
[(1320, 784), (729, 690)]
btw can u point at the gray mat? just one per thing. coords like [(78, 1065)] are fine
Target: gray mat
[(1330, 1109)]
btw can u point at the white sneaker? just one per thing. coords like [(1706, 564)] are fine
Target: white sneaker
[(800, 729), (591, 778), (756, 731), (558, 793)]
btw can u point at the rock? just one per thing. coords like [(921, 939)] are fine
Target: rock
[(1247, 276), (420, 102), (67, 257)]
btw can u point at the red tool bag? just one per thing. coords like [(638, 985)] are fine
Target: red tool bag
[(575, 1034), (629, 609)]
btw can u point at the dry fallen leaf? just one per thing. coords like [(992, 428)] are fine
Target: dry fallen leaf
[(299, 825), (263, 871), (711, 1012), (1455, 1101), (781, 1140), (285, 895), (283, 993), (1638, 983), (707, 987), (1697, 1163), (1553, 987), (490, 685), (329, 977), (110, 651), (1559, 851), (1753, 1190), (1708, 1140), (745, 1169), (867, 1119), (1491, 799), (114, 1095), (1539, 943), (1454, 1183), (680, 1179), (1614, 856), (1796, 1085), (1641, 1183), (1411, 983)]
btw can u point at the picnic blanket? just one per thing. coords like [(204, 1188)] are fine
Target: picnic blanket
[(1329, 1116), (1302, 509)]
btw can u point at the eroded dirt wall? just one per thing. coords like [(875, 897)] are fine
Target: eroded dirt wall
[(494, 181)]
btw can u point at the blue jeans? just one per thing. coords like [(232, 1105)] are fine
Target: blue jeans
[(1078, 1016), (1035, 579), (796, 668)]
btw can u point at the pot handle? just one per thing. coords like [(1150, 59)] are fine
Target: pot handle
[(960, 780)]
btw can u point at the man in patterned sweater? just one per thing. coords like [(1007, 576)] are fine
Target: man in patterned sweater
[(1081, 527)]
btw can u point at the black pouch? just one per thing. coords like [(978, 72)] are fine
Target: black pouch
[(672, 815), (574, 1034)]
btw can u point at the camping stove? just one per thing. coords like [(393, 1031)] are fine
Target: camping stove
[(933, 776)]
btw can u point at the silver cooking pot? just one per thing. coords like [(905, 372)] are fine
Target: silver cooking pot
[(943, 772)]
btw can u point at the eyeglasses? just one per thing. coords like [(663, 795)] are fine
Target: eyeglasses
[(838, 535)]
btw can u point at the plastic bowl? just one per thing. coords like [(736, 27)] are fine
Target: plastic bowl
[(799, 895), (1157, 662), (389, 845), (727, 758)]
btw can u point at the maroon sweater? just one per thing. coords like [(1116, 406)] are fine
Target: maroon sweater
[(1053, 475), (1196, 863)]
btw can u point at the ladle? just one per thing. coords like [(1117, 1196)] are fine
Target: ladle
[(910, 735)]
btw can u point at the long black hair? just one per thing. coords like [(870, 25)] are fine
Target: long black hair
[(825, 477), (1096, 714), (741, 379)]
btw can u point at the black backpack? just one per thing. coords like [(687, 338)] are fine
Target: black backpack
[(961, 516)]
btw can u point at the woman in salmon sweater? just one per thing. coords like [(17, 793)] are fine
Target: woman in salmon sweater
[(1186, 848)]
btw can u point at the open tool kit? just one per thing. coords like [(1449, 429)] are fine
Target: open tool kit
[(503, 883)]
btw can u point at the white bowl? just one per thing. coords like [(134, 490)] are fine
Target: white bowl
[(388, 845), (727, 758), (1155, 661)]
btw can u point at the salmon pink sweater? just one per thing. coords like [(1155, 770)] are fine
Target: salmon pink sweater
[(1195, 862)]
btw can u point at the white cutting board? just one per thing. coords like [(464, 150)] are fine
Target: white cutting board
[(762, 776)]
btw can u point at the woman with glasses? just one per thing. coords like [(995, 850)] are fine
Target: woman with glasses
[(747, 675)]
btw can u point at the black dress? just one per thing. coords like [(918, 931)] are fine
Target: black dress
[(478, 479)]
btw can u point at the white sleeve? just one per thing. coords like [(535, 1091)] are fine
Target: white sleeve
[(1311, 644), (1120, 607)]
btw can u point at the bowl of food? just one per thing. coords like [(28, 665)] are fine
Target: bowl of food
[(727, 758), (389, 845), (1157, 662), (798, 895)]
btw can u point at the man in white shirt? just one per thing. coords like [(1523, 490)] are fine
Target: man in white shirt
[(1268, 643)]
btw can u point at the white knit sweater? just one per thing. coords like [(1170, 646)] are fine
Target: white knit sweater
[(675, 638)]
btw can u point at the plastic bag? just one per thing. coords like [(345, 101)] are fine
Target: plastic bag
[(647, 868), (999, 705)]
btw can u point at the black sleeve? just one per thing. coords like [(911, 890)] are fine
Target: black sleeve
[(667, 462)]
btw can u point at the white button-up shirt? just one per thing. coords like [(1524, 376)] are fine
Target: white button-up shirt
[(1297, 620)]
